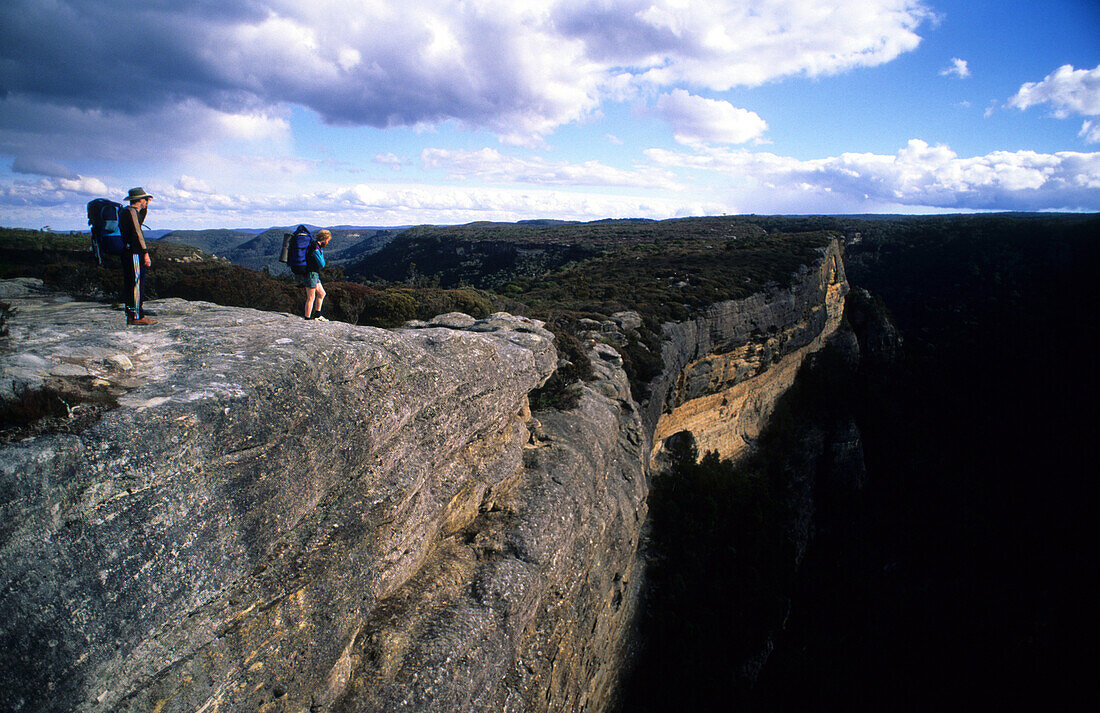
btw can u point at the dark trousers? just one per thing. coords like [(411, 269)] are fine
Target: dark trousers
[(133, 281)]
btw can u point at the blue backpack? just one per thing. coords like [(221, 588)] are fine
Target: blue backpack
[(298, 247), (106, 235)]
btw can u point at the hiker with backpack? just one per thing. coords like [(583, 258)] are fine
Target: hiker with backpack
[(315, 261), (135, 256), (304, 256)]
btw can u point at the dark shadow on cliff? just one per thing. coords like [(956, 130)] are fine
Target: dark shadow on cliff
[(724, 545), (955, 579)]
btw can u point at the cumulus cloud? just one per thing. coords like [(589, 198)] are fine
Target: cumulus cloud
[(919, 175), (1090, 132), (719, 45), (191, 184), (517, 69), (49, 192), (490, 166), (699, 120), (1067, 90), (958, 68)]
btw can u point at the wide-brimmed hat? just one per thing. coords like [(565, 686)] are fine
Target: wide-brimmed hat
[(136, 194)]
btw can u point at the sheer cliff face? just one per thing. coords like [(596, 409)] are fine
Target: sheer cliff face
[(291, 515), (248, 511), (725, 369)]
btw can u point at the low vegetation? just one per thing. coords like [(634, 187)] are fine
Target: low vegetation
[(562, 272), (65, 262), (554, 271)]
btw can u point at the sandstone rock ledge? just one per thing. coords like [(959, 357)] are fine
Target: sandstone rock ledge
[(725, 369), (282, 515)]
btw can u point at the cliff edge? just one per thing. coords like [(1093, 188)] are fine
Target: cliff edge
[(264, 513), (240, 510), (725, 369)]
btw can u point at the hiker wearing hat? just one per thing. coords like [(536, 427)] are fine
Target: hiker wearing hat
[(136, 258)]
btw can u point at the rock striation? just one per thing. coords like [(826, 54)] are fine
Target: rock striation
[(239, 510), (291, 515), (725, 369)]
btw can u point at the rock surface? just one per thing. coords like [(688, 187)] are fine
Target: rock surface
[(238, 510), (725, 369), (292, 515)]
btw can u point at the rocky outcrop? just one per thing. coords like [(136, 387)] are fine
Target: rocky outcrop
[(237, 510), (725, 369), (291, 515)]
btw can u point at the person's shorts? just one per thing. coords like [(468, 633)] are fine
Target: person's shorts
[(308, 279)]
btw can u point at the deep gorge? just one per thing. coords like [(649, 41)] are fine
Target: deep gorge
[(255, 517)]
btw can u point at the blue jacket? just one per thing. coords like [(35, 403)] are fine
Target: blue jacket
[(315, 260)]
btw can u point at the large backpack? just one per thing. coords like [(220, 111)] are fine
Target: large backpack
[(106, 235), (298, 250)]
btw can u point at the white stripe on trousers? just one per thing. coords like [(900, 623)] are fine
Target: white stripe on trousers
[(135, 298)]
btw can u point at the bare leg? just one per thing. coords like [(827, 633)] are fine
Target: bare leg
[(320, 296), (310, 293)]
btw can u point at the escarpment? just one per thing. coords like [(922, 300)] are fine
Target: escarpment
[(310, 516), (725, 369), (237, 510)]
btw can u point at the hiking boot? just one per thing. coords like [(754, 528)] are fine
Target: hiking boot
[(142, 321)]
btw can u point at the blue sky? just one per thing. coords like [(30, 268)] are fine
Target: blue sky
[(251, 113)]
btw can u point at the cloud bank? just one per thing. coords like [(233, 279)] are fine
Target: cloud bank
[(918, 176), (490, 166), (220, 107), (519, 70)]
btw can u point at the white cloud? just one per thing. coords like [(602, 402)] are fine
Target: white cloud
[(919, 175), (50, 192), (489, 165), (193, 185), (82, 185), (958, 68), (1090, 132), (1067, 90), (719, 45), (365, 204), (449, 204), (919, 178), (699, 120), (519, 70), (389, 159)]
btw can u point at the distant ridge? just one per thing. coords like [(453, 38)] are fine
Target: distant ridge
[(259, 249)]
